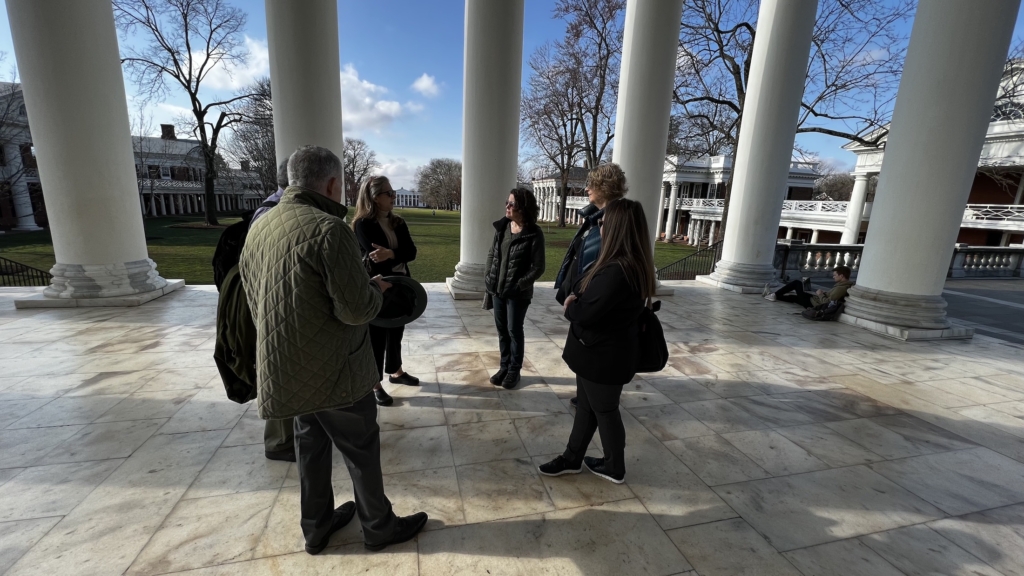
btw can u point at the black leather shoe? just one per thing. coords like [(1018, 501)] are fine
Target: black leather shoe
[(499, 376), (596, 465), (383, 398), (574, 402), (559, 466), (342, 516), (405, 378), (286, 455), (511, 380), (406, 527)]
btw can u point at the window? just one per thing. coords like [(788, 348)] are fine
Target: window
[(165, 172), (28, 156), (154, 171)]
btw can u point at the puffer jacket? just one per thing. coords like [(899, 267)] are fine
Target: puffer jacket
[(525, 263), (310, 300), (582, 252)]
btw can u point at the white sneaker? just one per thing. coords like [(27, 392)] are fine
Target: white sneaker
[(770, 297), (767, 289)]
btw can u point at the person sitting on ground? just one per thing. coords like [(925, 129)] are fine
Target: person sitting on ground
[(311, 300), (841, 275)]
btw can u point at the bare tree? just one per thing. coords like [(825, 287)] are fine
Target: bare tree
[(252, 139), (360, 161), (440, 183), (14, 133), (834, 184), (857, 53), (182, 41)]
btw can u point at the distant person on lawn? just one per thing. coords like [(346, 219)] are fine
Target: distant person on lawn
[(311, 300), (385, 241), (841, 275)]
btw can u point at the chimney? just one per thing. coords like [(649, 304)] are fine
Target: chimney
[(246, 166), (167, 132)]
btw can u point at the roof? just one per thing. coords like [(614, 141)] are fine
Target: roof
[(575, 173), (158, 145)]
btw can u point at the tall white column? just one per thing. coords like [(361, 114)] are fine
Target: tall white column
[(855, 209), (21, 198), (163, 205), (1005, 240), (649, 45), (661, 214), (490, 131), (765, 147), (814, 236), (689, 231), (671, 219), (789, 233), (711, 233), (954, 63), (305, 68), (68, 61)]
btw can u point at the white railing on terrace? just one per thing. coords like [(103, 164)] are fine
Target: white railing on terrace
[(996, 212), (699, 203), (814, 206), (155, 183)]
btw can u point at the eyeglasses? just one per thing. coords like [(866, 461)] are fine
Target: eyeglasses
[(510, 204), (390, 193)]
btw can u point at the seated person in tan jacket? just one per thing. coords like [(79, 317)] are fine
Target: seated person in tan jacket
[(841, 275)]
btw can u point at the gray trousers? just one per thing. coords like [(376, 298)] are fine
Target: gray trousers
[(278, 435), (355, 432)]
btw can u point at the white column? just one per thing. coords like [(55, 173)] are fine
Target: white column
[(954, 63), (689, 231), (671, 219), (661, 214), (152, 204), (20, 196), (789, 233), (302, 38), (765, 148), (163, 205), (711, 234), (696, 233), (649, 44), (855, 209), (490, 131), (814, 236), (68, 61), (1005, 240)]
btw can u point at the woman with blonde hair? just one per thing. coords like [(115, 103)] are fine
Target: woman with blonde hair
[(602, 346), (387, 249), (605, 184)]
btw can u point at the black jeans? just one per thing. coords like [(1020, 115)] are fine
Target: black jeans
[(509, 315), (598, 410), (387, 344), (802, 298), (355, 432)]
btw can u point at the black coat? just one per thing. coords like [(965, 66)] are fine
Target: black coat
[(369, 232), (524, 265), (602, 344)]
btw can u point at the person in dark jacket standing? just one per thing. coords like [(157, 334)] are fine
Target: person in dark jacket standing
[(515, 262), (602, 345), (605, 183), (387, 247)]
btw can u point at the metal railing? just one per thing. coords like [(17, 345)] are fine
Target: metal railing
[(699, 263), (17, 274)]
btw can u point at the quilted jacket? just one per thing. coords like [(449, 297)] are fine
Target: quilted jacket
[(310, 300)]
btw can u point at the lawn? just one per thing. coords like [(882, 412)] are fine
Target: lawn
[(186, 252)]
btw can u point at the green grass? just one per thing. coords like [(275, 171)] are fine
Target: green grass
[(186, 252)]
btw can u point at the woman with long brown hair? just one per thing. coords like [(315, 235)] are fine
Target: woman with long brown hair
[(385, 241), (602, 345)]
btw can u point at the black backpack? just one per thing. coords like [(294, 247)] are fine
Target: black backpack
[(653, 348), (825, 312), (229, 247)]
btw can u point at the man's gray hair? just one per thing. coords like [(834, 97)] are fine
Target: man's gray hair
[(282, 174), (312, 166)]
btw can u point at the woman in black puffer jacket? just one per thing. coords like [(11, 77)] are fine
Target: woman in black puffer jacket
[(602, 346), (515, 262)]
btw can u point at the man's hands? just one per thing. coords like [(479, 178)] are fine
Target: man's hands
[(820, 292), (381, 253), (381, 283), (568, 300)]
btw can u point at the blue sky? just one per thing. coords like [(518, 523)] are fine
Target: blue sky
[(387, 46)]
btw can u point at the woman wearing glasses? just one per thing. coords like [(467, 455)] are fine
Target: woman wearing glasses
[(515, 262), (385, 241), (602, 345)]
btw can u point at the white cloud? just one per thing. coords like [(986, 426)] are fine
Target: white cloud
[(365, 105), (237, 76), (400, 171), (426, 85)]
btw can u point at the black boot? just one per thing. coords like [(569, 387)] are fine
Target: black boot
[(499, 376), (511, 379), (382, 397)]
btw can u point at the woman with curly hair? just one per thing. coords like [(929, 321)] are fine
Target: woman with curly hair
[(605, 183), (515, 262), (385, 241)]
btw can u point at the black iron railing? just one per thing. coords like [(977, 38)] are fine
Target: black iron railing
[(699, 263), (17, 274)]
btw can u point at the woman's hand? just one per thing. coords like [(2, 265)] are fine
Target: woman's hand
[(381, 253), (568, 300)]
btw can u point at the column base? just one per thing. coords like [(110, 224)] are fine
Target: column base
[(895, 309), (909, 334), (42, 301), (104, 280), (739, 277), (460, 294), (468, 282)]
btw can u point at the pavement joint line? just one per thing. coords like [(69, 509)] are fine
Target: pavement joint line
[(985, 298)]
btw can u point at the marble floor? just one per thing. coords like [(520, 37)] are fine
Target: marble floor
[(770, 445)]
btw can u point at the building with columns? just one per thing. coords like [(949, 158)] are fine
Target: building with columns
[(408, 199), (547, 190)]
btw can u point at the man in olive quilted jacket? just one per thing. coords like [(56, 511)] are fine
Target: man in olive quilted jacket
[(311, 299)]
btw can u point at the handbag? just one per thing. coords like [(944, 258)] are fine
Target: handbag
[(653, 349)]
